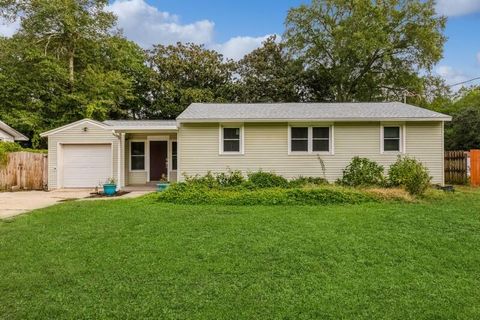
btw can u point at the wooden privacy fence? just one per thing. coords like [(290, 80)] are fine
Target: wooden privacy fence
[(475, 167), (24, 170), (456, 167)]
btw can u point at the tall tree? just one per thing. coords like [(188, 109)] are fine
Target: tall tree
[(61, 26), (463, 133), (41, 90), (366, 49), (186, 73), (268, 74)]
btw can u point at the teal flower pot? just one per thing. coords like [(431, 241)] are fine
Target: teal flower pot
[(162, 186), (109, 189)]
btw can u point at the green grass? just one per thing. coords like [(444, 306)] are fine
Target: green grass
[(134, 259)]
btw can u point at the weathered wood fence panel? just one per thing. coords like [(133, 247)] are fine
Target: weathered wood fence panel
[(24, 171), (456, 169), (475, 168)]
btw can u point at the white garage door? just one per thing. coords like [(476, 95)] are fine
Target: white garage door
[(86, 165)]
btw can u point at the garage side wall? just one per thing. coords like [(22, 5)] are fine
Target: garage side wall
[(83, 133), (266, 148)]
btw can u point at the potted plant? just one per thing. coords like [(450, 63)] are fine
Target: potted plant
[(163, 184), (110, 187)]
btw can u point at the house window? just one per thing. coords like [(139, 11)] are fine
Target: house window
[(137, 155), (391, 138), (299, 139), (231, 140), (310, 139), (321, 139), (174, 155)]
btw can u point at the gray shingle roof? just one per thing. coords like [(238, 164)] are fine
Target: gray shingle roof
[(141, 124), (308, 111)]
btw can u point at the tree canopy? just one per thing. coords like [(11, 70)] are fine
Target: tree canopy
[(186, 73), (68, 61), (366, 50)]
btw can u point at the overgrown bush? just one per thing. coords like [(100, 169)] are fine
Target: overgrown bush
[(410, 174), (230, 178), (261, 179), (223, 179), (362, 172), (306, 181), (184, 193), (207, 180)]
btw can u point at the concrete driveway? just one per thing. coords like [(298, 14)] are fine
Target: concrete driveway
[(14, 203)]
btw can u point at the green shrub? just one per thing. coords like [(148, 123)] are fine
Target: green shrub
[(218, 180), (184, 193), (207, 180), (261, 179), (362, 172), (305, 181), (410, 174), (230, 178)]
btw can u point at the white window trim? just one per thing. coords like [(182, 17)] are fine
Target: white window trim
[(130, 156), (220, 139), (403, 139), (170, 156), (310, 127)]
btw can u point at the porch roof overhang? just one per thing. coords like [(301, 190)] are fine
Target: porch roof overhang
[(126, 126), (146, 130)]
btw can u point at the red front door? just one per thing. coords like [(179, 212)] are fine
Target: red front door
[(158, 160)]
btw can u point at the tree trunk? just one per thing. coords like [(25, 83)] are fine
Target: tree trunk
[(71, 67)]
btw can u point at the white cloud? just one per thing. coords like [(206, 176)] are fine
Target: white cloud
[(457, 7), (7, 29), (237, 47), (147, 25), (451, 75)]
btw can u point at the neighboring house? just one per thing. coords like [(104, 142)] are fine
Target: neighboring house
[(9, 134), (287, 138)]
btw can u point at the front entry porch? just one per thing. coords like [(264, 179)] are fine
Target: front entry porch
[(147, 158)]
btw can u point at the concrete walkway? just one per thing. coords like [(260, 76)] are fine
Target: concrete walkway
[(15, 203)]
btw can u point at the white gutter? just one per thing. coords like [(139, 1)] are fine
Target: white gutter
[(144, 128)]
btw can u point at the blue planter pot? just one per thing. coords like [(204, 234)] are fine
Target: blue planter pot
[(162, 186), (109, 189)]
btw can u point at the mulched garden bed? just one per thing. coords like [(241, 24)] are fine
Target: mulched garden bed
[(101, 195)]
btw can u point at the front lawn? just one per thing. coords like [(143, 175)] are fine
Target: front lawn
[(139, 258)]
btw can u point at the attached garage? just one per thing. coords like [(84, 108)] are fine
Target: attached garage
[(86, 165), (83, 154)]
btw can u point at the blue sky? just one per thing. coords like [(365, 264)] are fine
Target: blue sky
[(257, 18), (235, 27)]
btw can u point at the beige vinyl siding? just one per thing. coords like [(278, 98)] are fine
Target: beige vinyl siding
[(76, 135), (140, 177), (425, 142), (266, 148)]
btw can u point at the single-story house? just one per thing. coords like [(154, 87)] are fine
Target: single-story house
[(9, 134), (286, 138)]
